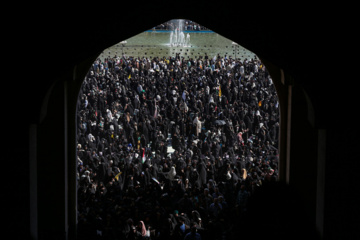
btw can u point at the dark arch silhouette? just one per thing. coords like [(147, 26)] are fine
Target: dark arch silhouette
[(45, 87)]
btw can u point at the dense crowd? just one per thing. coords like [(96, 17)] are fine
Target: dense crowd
[(172, 148)]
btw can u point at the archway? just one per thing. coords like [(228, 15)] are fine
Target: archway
[(257, 103)]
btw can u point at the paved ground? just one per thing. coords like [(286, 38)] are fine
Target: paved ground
[(156, 44)]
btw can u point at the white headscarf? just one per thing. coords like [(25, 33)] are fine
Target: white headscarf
[(228, 175), (172, 173)]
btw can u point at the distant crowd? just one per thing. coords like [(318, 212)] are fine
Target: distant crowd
[(172, 148)]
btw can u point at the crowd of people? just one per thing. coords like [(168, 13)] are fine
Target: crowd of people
[(172, 148)]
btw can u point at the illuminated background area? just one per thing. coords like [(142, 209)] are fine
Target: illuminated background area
[(156, 43)]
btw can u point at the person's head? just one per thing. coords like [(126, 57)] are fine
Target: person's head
[(130, 221), (193, 228), (139, 224)]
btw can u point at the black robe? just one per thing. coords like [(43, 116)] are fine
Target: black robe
[(202, 173)]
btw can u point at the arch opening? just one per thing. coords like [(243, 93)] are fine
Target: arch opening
[(191, 99)]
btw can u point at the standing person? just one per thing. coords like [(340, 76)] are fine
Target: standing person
[(180, 228), (141, 229), (193, 234), (242, 198), (215, 208), (202, 172), (197, 123)]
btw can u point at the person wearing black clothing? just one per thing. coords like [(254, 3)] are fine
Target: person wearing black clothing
[(202, 172)]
